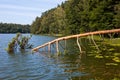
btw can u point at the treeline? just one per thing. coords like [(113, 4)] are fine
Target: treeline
[(78, 16), (14, 28)]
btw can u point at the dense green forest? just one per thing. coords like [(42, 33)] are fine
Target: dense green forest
[(78, 16), (14, 28)]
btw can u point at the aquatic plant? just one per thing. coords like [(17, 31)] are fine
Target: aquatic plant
[(21, 42), (11, 46)]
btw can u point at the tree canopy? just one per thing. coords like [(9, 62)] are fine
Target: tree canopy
[(78, 16), (14, 28)]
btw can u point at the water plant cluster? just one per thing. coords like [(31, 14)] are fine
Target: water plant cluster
[(109, 49), (105, 49), (19, 42)]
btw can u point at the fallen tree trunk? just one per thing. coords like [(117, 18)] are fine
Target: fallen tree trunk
[(76, 36)]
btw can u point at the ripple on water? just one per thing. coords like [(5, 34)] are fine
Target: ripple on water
[(27, 66)]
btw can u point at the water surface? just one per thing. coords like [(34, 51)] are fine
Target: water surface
[(44, 66)]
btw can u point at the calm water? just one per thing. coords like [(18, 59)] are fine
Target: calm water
[(44, 66)]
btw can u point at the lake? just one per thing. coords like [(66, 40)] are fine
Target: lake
[(41, 65)]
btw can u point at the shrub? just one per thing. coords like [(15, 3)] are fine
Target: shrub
[(21, 42)]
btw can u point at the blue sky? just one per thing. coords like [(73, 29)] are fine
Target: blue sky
[(24, 11)]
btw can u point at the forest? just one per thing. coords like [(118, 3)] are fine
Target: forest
[(78, 16), (14, 28)]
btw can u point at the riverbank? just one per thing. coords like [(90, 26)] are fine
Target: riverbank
[(55, 35)]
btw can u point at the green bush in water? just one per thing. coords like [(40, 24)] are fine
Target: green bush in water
[(19, 41), (11, 44)]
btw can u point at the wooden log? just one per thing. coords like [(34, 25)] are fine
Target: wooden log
[(49, 47), (78, 35), (65, 44), (95, 43), (57, 46), (79, 45)]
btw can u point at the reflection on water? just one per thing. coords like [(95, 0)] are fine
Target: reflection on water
[(44, 66), (99, 66)]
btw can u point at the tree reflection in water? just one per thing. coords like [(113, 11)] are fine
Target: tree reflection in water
[(93, 65)]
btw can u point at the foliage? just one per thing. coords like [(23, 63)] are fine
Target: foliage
[(11, 45), (51, 22), (77, 16), (19, 42), (14, 28), (91, 15)]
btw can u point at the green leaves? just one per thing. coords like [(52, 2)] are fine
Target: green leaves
[(51, 22), (78, 16), (19, 41), (116, 59), (14, 28)]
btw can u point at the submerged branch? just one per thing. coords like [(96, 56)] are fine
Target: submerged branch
[(79, 45), (95, 43)]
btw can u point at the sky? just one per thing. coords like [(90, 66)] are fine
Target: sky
[(24, 11)]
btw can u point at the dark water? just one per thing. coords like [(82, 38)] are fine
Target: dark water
[(44, 66)]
